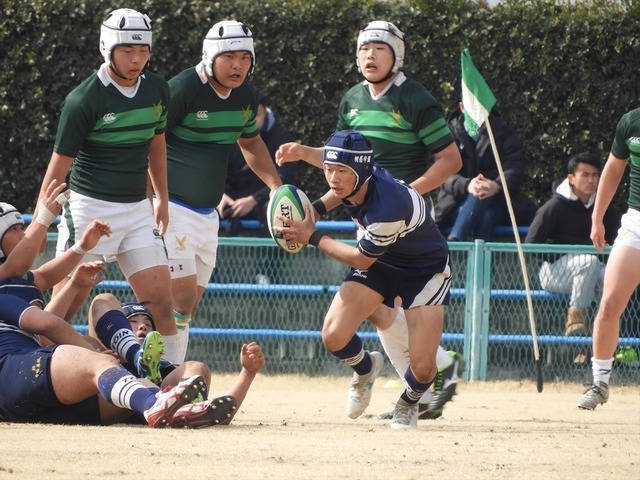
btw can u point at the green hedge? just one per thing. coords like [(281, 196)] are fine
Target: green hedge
[(563, 74)]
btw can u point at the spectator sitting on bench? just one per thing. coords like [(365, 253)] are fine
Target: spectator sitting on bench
[(566, 219), (471, 203)]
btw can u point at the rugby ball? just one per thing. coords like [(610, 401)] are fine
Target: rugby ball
[(287, 201)]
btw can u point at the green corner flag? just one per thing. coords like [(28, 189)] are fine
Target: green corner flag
[(476, 95)]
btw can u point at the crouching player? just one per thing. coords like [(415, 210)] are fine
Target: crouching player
[(400, 252)]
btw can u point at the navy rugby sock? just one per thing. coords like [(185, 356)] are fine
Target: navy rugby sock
[(119, 387), (414, 389), (114, 330), (355, 356)]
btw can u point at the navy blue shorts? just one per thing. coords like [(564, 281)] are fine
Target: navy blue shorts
[(26, 393), (415, 286)]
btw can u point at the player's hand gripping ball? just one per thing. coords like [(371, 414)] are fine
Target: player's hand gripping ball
[(287, 201)]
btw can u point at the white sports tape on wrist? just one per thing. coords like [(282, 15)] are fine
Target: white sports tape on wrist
[(62, 199), (78, 249), (45, 217)]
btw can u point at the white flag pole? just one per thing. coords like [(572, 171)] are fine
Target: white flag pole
[(523, 265)]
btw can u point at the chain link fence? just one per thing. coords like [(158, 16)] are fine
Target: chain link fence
[(260, 293)]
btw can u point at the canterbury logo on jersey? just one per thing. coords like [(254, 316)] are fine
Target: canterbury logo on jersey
[(634, 141), (109, 118), (202, 115), (353, 112)]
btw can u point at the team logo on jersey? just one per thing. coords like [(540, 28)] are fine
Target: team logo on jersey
[(353, 113), (634, 141), (202, 115), (158, 109), (181, 243), (397, 117), (360, 273), (37, 367), (245, 114), (109, 118)]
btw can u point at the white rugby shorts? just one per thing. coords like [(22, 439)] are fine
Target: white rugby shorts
[(192, 243), (629, 232)]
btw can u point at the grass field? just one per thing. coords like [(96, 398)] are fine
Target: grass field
[(293, 427)]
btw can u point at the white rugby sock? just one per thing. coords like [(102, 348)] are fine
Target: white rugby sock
[(172, 349), (183, 341), (395, 341), (601, 369), (443, 359)]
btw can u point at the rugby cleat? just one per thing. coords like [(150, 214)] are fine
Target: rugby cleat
[(205, 414), (405, 416), (148, 358), (359, 395), (444, 387), (596, 394), (171, 399)]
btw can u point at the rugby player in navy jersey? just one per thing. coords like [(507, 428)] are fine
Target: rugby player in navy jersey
[(400, 253), (407, 129)]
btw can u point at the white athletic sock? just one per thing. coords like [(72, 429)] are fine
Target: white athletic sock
[(395, 341), (172, 349), (182, 324), (443, 359), (183, 340), (601, 370)]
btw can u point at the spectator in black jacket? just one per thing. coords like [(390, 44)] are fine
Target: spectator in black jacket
[(246, 196), (472, 202), (566, 219)]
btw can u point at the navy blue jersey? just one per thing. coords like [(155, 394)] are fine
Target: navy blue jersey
[(395, 225), (12, 338), (23, 288)]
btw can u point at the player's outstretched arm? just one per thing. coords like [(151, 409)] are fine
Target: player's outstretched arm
[(20, 259), (252, 360), (87, 275), (52, 272), (292, 152), (305, 232)]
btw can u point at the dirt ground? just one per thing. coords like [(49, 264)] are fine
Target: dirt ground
[(295, 427)]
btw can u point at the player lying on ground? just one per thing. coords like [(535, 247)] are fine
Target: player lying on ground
[(400, 253), (110, 330), (65, 382)]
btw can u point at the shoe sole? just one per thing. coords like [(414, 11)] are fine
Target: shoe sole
[(217, 413), (152, 351), (186, 397)]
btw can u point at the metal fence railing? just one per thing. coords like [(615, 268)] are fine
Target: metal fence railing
[(261, 293)]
